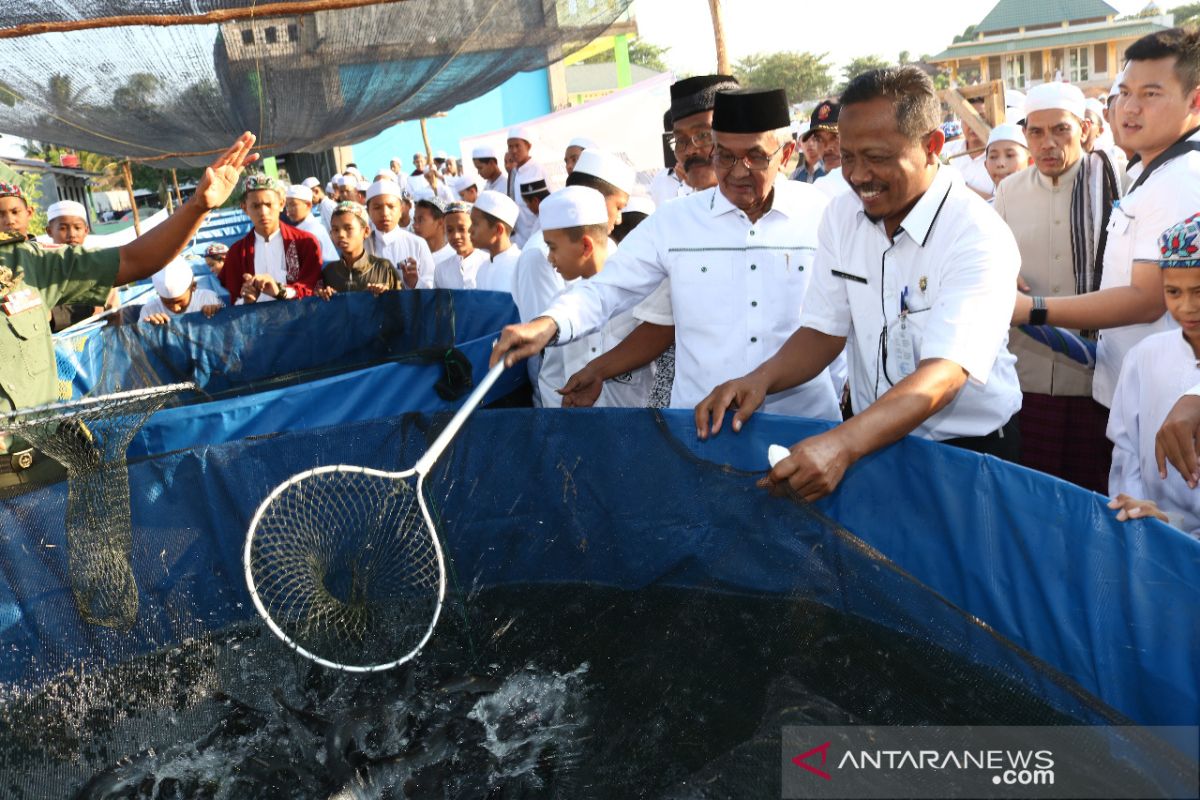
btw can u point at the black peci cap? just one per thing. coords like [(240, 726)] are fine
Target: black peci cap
[(751, 111), (693, 95)]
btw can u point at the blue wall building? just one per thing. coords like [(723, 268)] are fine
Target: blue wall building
[(522, 97)]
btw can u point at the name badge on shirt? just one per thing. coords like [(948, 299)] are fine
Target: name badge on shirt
[(21, 300), (1118, 223), (846, 276), (900, 345)]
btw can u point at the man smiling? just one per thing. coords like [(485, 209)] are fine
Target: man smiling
[(914, 273)]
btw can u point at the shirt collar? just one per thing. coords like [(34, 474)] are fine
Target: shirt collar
[(919, 221), (1067, 179), (389, 237), (783, 202), (278, 233), (362, 265)]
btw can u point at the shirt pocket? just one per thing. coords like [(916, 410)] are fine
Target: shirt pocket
[(702, 286), (31, 333)]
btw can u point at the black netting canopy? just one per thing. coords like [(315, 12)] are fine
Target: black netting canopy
[(173, 81)]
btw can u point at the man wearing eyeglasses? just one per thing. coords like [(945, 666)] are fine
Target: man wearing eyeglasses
[(739, 257), (915, 275)]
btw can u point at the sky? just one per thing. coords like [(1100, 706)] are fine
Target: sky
[(843, 28)]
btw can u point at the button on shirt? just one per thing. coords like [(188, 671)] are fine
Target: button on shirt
[(459, 272), (1171, 194), (737, 290), (1039, 214), (269, 260), (958, 262), (397, 246)]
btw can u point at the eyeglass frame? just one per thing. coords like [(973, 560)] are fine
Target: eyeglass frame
[(716, 158), (708, 140)]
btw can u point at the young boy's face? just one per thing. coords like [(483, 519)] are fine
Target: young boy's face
[(68, 230), (470, 194), (263, 207), (425, 224), (347, 232), (177, 305), (458, 232), (567, 257), (215, 263), (1005, 158), (14, 215), (482, 233), (384, 211), (1181, 289), (297, 210)]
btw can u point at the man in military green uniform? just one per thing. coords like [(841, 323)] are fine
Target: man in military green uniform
[(34, 278)]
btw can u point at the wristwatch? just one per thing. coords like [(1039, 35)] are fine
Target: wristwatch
[(1037, 314), (281, 294)]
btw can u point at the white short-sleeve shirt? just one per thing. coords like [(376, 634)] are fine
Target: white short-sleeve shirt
[(737, 290), (1170, 195), (399, 245), (955, 263), (459, 272)]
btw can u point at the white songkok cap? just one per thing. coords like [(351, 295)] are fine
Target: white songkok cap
[(520, 132), (639, 203), (441, 154), (572, 207), (173, 280), (1095, 106), (463, 182), (607, 167), (582, 142), (385, 175), (1008, 132), (384, 187), (364, 185), (311, 183), (66, 208), (1055, 96), (500, 206), (339, 180), (1116, 87), (300, 192), (485, 151)]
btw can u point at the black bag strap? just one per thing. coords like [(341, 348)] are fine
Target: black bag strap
[(1181, 147)]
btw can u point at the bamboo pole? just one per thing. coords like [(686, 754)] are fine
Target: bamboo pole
[(718, 21), (175, 182), (428, 152), (137, 223)]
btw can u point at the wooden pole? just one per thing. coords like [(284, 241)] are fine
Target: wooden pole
[(718, 20), (175, 182), (428, 153), (137, 223)]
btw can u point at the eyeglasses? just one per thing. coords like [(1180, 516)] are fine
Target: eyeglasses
[(702, 140), (756, 162)]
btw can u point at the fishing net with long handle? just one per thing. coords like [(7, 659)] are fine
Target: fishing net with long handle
[(344, 563), (89, 438)]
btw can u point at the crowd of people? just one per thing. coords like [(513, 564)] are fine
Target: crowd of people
[(908, 276)]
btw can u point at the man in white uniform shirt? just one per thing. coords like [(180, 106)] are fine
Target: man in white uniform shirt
[(913, 276), (520, 143), (1158, 117), (739, 257), (409, 253)]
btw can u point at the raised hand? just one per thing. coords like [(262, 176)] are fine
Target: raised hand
[(221, 177)]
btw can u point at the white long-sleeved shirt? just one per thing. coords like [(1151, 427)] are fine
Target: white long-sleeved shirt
[(737, 290), (459, 272), (399, 245), (500, 273), (1156, 373), (313, 225)]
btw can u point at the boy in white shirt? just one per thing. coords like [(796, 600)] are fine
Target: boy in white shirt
[(492, 221), (459, 272), (1155, 374), (178, 295)]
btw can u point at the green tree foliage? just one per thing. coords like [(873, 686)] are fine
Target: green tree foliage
[(967, 35), (1186, 13), (860, 65), (641, 52), (805, 76)]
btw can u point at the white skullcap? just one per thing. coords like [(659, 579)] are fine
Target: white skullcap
[(1008, 132), (607, 167), (572, 207), (311, 183), (66, 208), (500, 206), (173, 280), (384, 187), (1055, 96), (1116, 87), (1095, 106), (464, 182), (441, 154), (364, 185), (520, 132), (582, 142), (329, 188), (640, 204), (385, 175), (339, 180), (485, 151), (354, 171), (299, 192)]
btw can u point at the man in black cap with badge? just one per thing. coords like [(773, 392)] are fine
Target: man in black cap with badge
[(692, 101), (821, 138), (738, 255)]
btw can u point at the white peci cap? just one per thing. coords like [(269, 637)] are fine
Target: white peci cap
[(484, 151), (66, 208), (463, 182), (520, 132), (607, 167), (572, 207), (173, 280), (582, 142), (640, 204), (1055, 96), (311, 183), (384, 187), (299, 192), (499, 205), (1008, 132)]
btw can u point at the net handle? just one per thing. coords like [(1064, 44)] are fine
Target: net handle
[(426, 462)]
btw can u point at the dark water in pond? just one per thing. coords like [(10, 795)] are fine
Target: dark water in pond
[(525, 692)]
